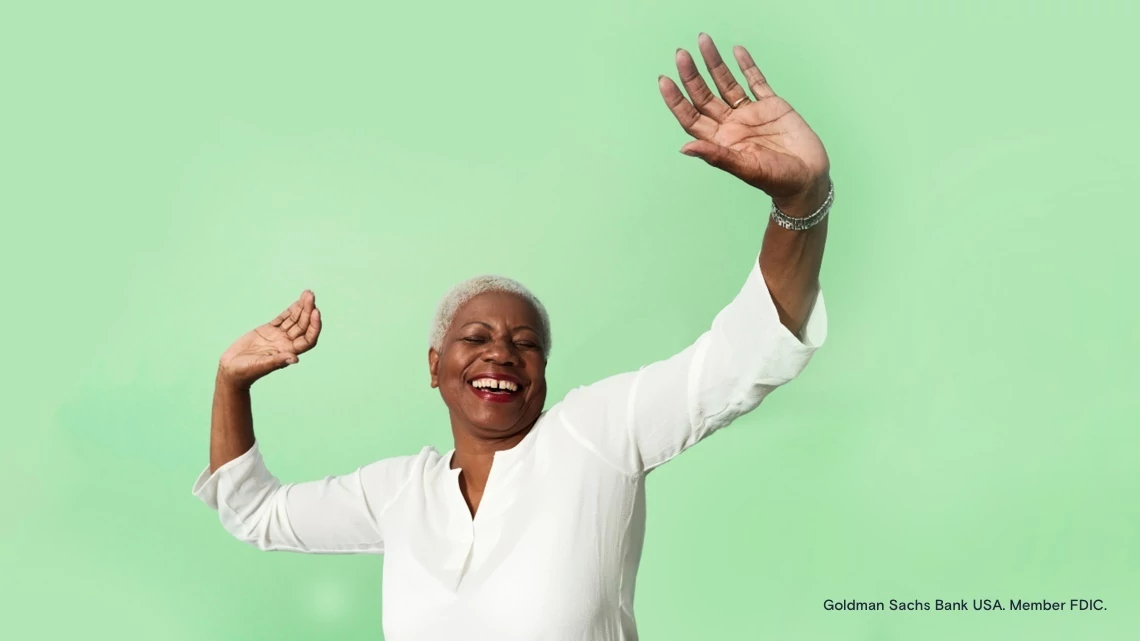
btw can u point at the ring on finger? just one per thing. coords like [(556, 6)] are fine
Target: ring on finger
[(737, 103)]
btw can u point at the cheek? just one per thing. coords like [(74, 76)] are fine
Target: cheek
[(539, 378), (450, 372)]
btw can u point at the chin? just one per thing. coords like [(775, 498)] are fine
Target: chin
[(497, 425)]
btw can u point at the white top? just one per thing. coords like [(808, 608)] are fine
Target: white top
[(553, 550)]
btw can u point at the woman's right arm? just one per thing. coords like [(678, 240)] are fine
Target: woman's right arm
[(231, 422), (339, 514), (259, 352), (336, 515)]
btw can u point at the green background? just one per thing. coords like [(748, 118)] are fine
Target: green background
[(175, 175)]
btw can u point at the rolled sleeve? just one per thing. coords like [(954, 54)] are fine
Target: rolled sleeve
[(749, 345), (248, 466), (747, 354), (337, 514)]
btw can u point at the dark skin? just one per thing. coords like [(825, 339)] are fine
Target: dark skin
[(495, 332), (758, 138), (762, 141)]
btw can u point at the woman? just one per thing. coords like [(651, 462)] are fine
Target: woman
[(532, 526)]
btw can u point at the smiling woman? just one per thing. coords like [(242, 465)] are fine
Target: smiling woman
[(490, 367), (532, 526)]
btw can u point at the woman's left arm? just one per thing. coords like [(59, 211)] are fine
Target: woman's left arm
[(765, 143), (762, 339)]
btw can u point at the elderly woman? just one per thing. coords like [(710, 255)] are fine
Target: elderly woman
[(532, 526)]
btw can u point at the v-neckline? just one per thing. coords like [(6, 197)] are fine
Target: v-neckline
[(499, 459)]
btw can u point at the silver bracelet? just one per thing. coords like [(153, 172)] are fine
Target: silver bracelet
[(807, 222)]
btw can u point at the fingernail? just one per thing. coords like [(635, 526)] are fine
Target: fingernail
[(688, 152)]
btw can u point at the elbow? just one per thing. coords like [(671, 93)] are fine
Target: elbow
[(256, 520)]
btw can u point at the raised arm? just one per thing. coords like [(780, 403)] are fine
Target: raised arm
[(765, 143), (769, 332), (334, 515), (259, 352)]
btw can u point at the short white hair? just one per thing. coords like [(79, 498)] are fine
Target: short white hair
[(472, 287)]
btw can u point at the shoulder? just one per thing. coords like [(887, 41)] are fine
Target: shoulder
[(389, 476), (600, 409), (595, 418), (406, 465), (606, 400)]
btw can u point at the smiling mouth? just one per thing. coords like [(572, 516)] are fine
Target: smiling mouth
[(495, 390)]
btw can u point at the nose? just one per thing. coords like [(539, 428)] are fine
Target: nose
[(502, 352)]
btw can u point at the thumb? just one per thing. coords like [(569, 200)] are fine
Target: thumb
[(712, 153), (273, 362)]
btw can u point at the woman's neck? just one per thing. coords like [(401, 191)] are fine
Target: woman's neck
[(474, 455)]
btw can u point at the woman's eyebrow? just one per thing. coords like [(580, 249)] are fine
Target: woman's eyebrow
[(515, 328)]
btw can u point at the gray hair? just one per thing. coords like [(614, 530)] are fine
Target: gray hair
[(472, 287)]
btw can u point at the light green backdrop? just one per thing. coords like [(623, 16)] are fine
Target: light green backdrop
[(174, 175)]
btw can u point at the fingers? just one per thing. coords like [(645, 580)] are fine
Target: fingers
[(732, 93), (308, 302), (301, 323), (283, 316), (288, 318), (703, 99), (308, 340), (692, 121), (756, 80), (292, 315)]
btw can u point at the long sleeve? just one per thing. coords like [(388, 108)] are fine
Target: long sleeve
[(338, 514), (636, 421)]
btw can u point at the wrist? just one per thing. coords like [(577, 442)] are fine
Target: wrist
[(807, 201), (223, 379)]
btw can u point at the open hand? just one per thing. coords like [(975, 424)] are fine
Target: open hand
[(764, 142), (273, 345)]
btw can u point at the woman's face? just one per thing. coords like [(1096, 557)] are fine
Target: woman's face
[(490, 370)]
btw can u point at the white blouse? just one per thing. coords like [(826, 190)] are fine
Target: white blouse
[(553, 550)]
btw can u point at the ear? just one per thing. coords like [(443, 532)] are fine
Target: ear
[(433, 366)]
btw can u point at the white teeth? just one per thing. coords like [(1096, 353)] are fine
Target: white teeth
[(491, 383)]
